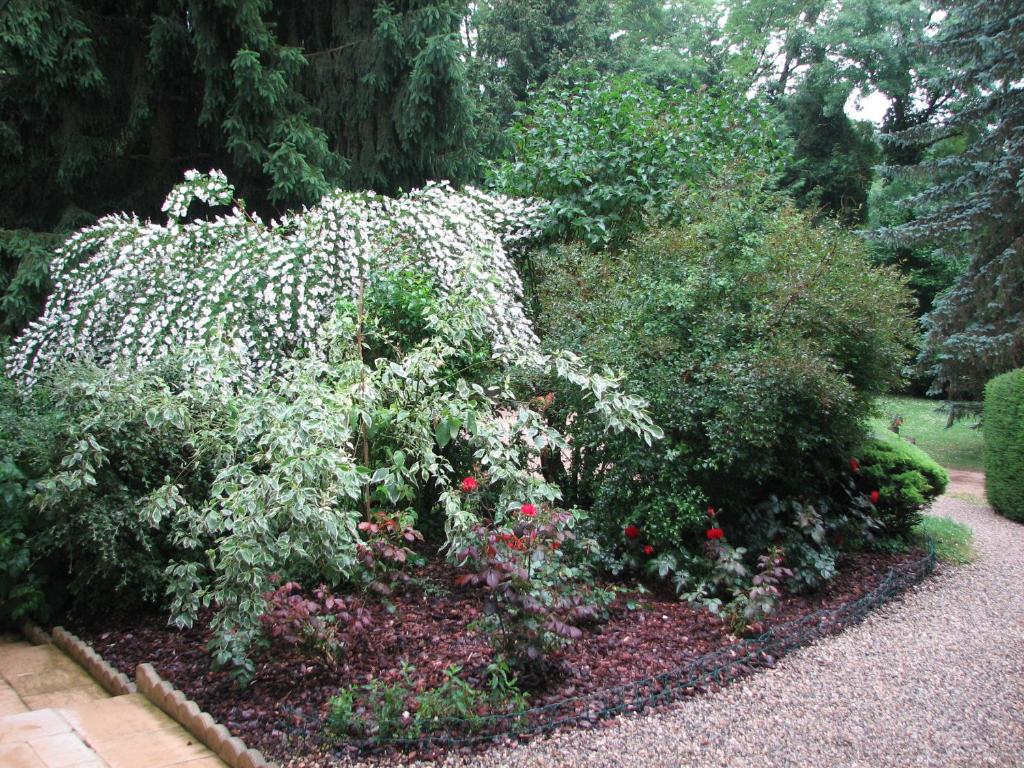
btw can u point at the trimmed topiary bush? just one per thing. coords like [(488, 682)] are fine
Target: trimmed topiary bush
[(1004, 444), (905, 478)]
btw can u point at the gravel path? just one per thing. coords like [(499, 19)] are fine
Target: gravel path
[(935, 679)]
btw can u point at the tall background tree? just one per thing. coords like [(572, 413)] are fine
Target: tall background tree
[(104, 104), (971, 205)]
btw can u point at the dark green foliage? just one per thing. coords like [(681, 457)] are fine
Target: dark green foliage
[(24, 277), (834, 156), (929, 271), (30, 580), (760, 341), (389, 82), (520, 45), (1004, 444), (103, 105), (612, 152), (972, 206), (907, 480)]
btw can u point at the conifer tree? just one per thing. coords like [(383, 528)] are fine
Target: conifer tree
[(973, 205), (104, 104)]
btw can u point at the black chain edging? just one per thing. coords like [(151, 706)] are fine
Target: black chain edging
[(714, 668)]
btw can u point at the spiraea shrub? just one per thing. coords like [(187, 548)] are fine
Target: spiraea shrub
[(244, 401), (128, 291)]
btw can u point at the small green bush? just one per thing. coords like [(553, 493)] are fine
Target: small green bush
[(906, 479), (1004, 444)]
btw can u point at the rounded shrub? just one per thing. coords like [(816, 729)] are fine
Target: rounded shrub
[(1004, 444), (759, 338), (903, 479)]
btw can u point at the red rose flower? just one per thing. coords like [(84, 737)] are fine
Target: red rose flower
[(854, 466), (556, 544), (528, 510), (715, 533), (711, 511), (875, 496), (648, 550), (631, 531), (468, 484)]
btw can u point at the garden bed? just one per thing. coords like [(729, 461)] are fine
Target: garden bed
[(429, 626)]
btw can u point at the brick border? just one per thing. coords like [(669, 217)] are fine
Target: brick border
[(228, 748), (161, 693), (35, 634), (115, 683)]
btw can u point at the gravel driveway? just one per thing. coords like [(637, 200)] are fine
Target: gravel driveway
[(935, 679)]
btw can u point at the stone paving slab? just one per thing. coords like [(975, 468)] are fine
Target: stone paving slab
[(54, 715), (10, 702)]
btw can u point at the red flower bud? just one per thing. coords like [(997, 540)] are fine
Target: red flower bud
[(631, 531), (714, 533), (711, 511), (875, 496), (854, 466), (648, 550), (468, 484), (528, 510)]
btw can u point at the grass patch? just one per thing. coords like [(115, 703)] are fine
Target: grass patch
[(954, 542), (970, 498), (959, 447)]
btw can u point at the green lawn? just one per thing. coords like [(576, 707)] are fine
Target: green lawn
[(959, 447), (954, 542)]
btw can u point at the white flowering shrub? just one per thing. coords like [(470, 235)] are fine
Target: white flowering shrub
[(129, 291), (237, 460)]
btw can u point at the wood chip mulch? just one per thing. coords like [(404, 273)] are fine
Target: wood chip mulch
[(429, 627)]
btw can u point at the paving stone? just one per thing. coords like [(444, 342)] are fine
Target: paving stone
[(10, 702), (31, 725), (74, 723), (19, 658), (65, 697), (153, 749), (63, 750), (117, 717), (19, 756), (50, 681)]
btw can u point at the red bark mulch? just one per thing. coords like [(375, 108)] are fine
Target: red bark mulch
[(429, 628)]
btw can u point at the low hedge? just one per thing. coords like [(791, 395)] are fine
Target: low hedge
[(907, 480), (1004, 443)]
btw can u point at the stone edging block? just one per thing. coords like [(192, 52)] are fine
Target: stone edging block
[(228, 748), (36, 634), (115, 683)]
